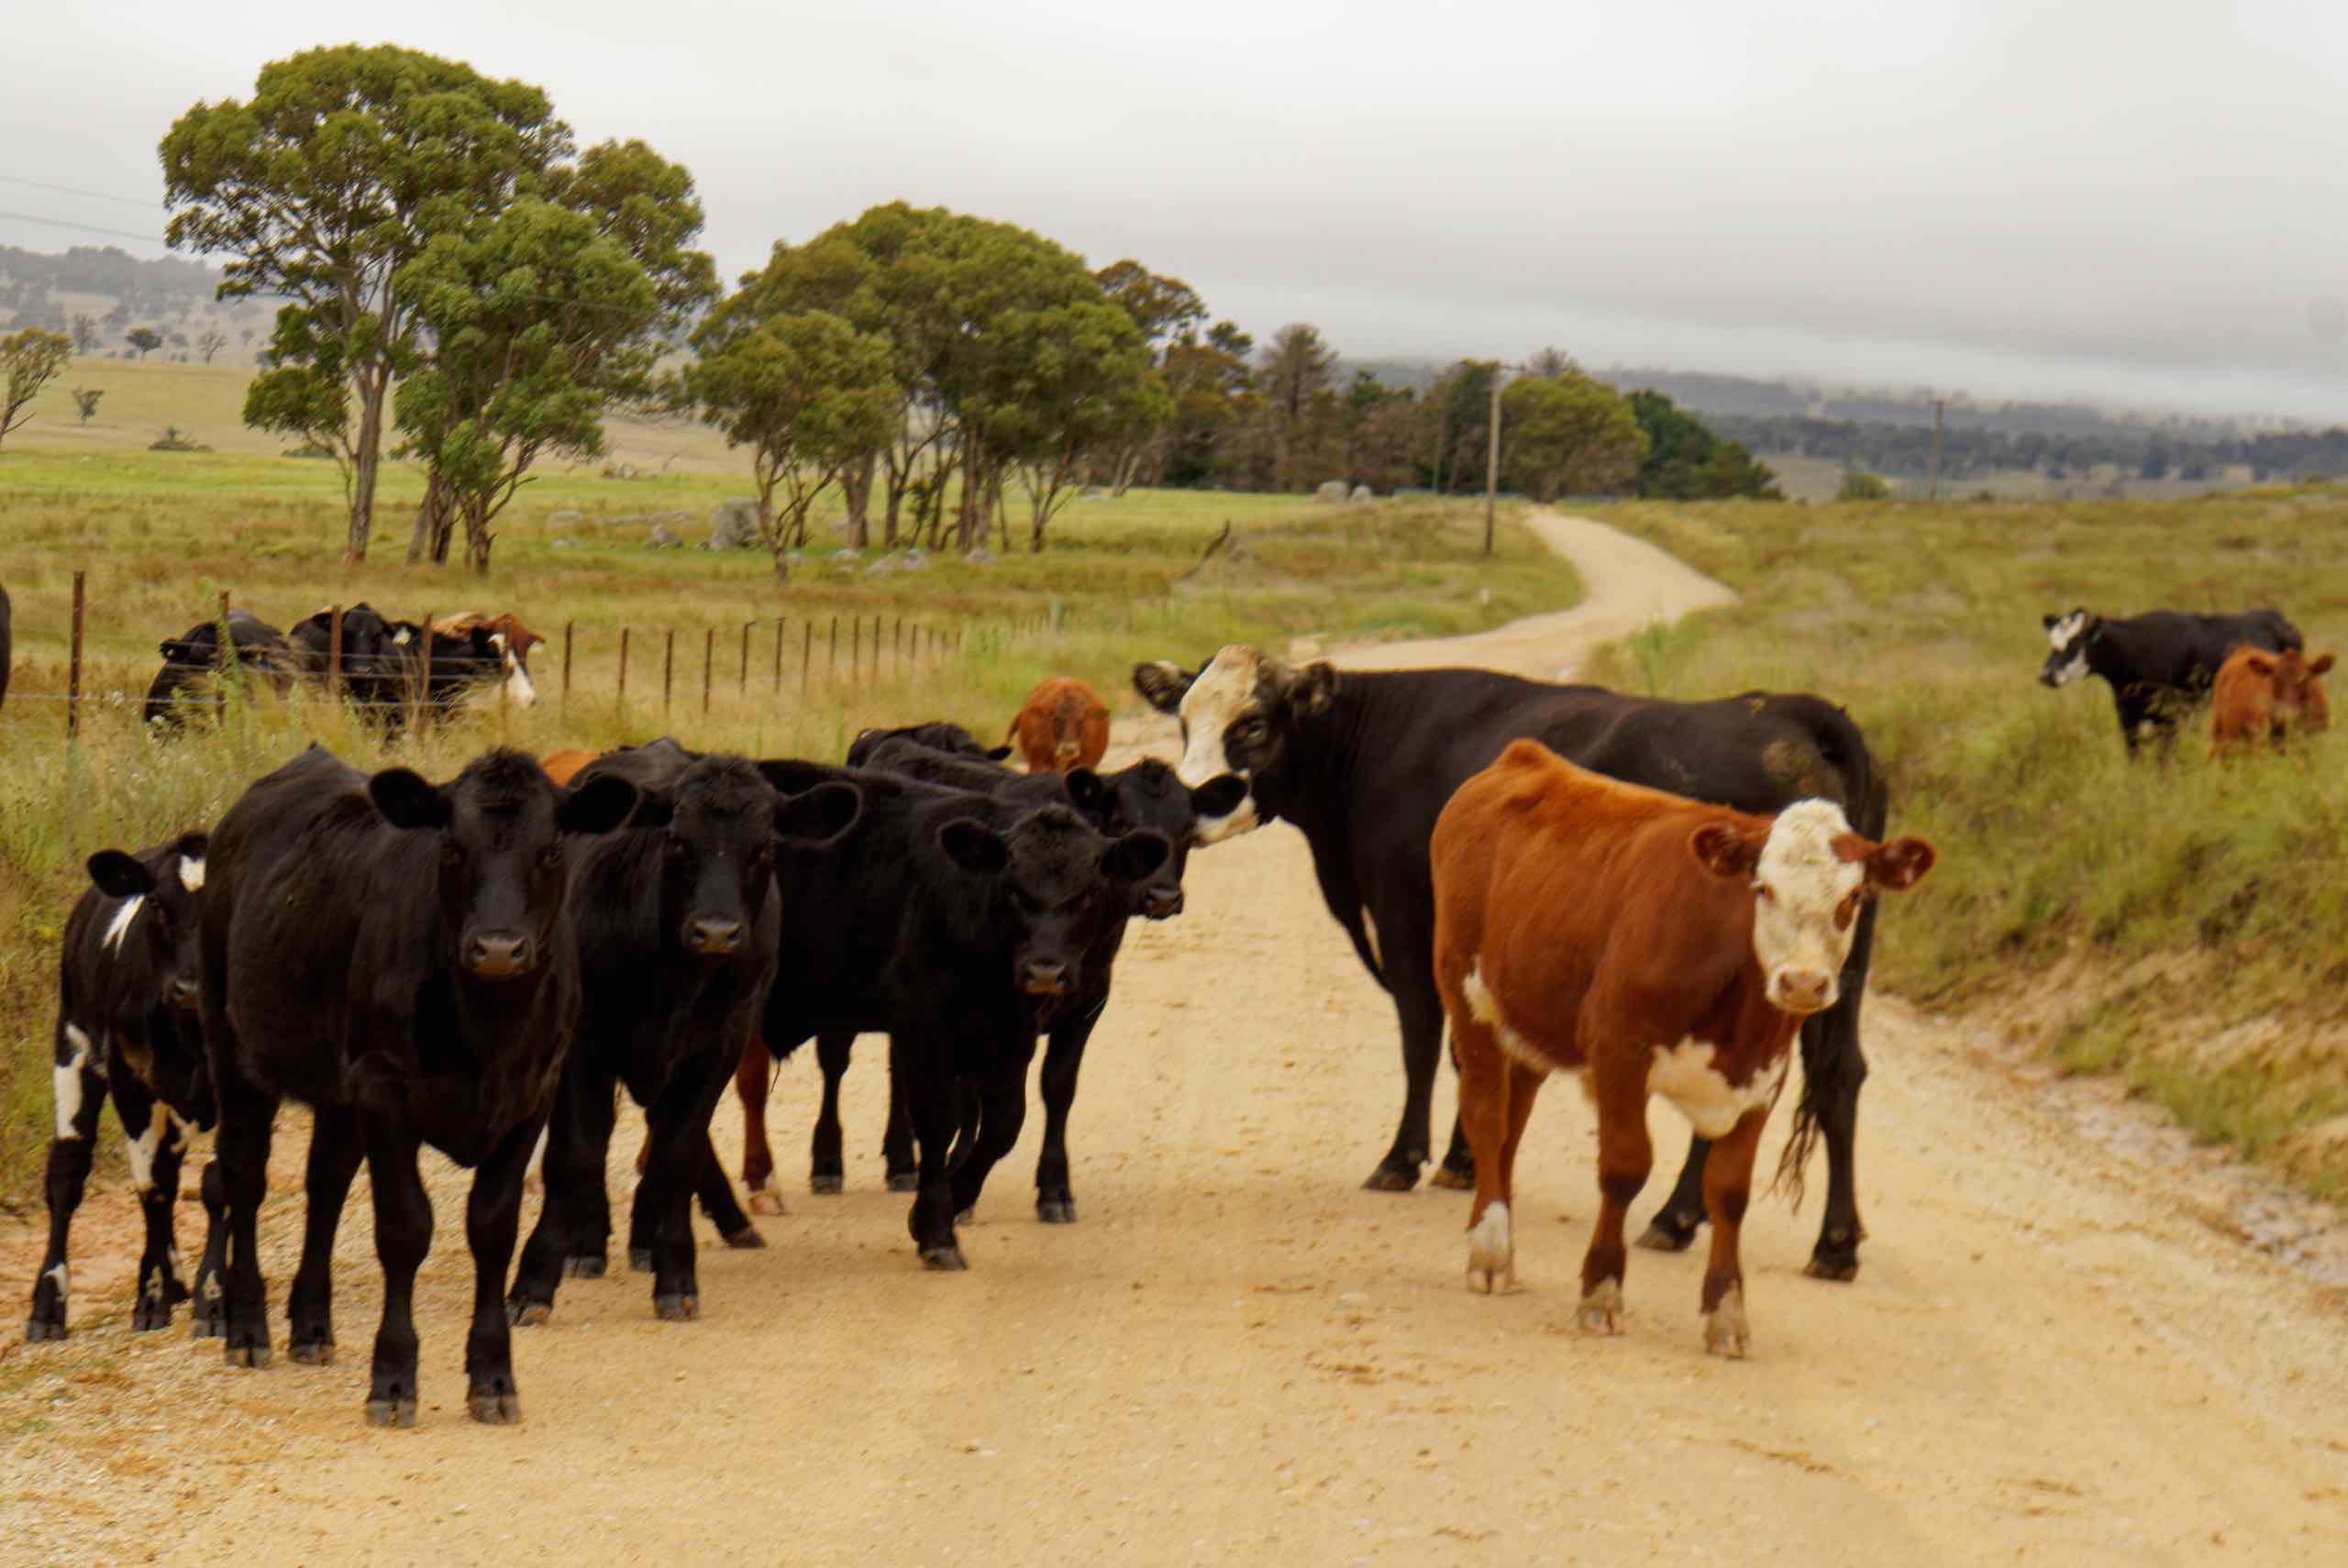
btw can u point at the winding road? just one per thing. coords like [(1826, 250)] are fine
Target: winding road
[(1237, 1355)]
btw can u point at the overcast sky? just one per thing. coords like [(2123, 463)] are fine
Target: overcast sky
[(2130, 201)]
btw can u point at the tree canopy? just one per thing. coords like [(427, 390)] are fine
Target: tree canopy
[(30, 360), (1569, 434)]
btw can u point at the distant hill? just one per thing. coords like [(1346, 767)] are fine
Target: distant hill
[(115, 292)]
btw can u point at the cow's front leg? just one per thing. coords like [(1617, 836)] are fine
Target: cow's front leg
[(574, 1228), (160, 1286), (1418, 1008), (677, 1140), (1728, 1184), (1001, 1100), (493, 1219), (208, 1318), (1675, 1224), (334, 1153), (926, 1073), (753, 1080), (80, 1095), (403, 1237), (827, 1160), (1626, 1157), (1063, 1060), (248, 1119)]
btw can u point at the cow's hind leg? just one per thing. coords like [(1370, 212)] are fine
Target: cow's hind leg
[(574, 1231), (209, 1317), (160, 1286), (753, 1080), (827, 1158), (1834, 1069), (247, 1120), (1728, 1184), (493, 1219), (334, 1153), (1674, 1225), (1419, 1009), (716, 1195), (677, 1134), (897, 1157), (1484, 1086)]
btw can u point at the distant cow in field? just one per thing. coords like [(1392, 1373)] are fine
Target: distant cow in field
[(1655, 946), (2260, 696), (1063, 724), (385, 667), (194, 656), (127, 1027), (398, 956), (2158, 663)]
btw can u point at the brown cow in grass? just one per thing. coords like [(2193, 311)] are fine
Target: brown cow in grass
[(1064, 725), (2266, 696), (1655, 946)]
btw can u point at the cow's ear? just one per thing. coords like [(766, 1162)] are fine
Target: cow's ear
[(406, 799), (1219, 796), (1314, 688), (1162, 685), (1899, 865), (2048, 621), (1137, 855), (600, 805), (998, 754), (974, 847), (821, 817), (2262, 663), (177, 652), (120, 876), (654, 807), (792, 775), (1725, 850), (1085, 790), (2322, 663)]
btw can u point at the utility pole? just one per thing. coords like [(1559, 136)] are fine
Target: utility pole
[(1940, 411), (1492, 458)]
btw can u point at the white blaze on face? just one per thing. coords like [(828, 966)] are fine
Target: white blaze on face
[(1800, 884), (192, 873), (517, 687), (1685, 1076), (66, 1086), (119, 927), (1223, 692), (2061, 636)]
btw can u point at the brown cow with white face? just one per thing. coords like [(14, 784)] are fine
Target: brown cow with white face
[(1656, 947), (2261, 696)]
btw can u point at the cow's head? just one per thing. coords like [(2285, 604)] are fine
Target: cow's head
[(2295, 685), (1238, 716), (1149, 795), (150, 940), (1057, 886), (2315, 709), (500, 826), (718, 823), (1810, 873), (2068, 638)]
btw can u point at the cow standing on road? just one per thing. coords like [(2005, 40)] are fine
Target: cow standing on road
[(398, 956), (1362, 763), (2157, 664), (1656, 946), (128, 986)]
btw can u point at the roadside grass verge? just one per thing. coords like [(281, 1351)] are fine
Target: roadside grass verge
[(1924, 622)]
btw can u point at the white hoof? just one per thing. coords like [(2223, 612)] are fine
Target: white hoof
[(1725, 1331), (766, 1201), (1491, 1253), (1601, 1310)]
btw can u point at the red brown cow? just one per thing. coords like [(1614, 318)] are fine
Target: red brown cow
[(564, 765), (2266, 696), (1064, 725), (1655, 946)]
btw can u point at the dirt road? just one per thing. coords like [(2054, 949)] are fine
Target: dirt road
[(1237, 1355)]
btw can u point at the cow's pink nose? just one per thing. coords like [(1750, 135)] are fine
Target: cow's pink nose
[(1804, 990)]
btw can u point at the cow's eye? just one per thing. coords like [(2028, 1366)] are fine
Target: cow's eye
[(1761, 891), (551, 857)]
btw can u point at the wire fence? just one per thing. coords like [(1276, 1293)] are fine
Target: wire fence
[(780, 656)]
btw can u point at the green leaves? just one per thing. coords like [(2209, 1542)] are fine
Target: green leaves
[(30, 360), (1569, 434)]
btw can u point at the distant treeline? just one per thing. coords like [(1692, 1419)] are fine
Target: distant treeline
[(1905, 449), (165, 289)]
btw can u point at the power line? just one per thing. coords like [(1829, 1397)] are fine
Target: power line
[(84, 227), (74, 190)]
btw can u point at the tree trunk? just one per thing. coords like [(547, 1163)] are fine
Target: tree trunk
[(477, 536), (366, 453), (856, 488), (430, 539)]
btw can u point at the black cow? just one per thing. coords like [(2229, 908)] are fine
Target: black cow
[(1364, 762), (194, 656), (951, 739), (678, 927), (2158, 663), (1145, 796), (952, 922), (398, 956), (127, 1027), (384, 667)]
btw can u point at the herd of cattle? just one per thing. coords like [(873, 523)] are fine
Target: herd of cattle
[(1661, 896), (2253, 666)]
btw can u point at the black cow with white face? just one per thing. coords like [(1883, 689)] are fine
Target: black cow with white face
[(1364, 762), (127, 1027), (678, 922), (2158, 664), (398, 956), (956, 924), (260, 651), (1145, 795)]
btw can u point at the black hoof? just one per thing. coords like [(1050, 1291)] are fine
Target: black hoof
[(1056, 1210), (311, 1353), (174, 1293), (204, 1327), (586, 1266), (391, 1413), (639, 1259), (905, 1181), (528, 1314), (676, 1308), (149, 1316), (489, 1410), (1664, 1235), (1824, 1265), (38, 1330), (944, 1259), (746, 1240), (826, 1185), (1455, 1179), (255, 1356), (1392, 1178)]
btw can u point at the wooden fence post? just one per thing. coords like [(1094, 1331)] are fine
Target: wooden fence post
[(742, 684), (334, 655), (424, 686), (836, 650), (566, 666), (74, 664), (806, 653), (623, 698), (855, 650), (223, 654), (668, 672), (708, 656), (778, 656)]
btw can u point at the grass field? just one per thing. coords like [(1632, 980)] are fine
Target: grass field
[(2193, 914), (160, 535)]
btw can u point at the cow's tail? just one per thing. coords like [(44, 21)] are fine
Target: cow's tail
[(1830, 1055)]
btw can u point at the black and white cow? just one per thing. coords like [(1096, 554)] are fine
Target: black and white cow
[(954, 922), (399, 956), (194, 656), (2159, 663), (679, 928), (1147, 795), (384, 667), (1363, 763), (128, 987)]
